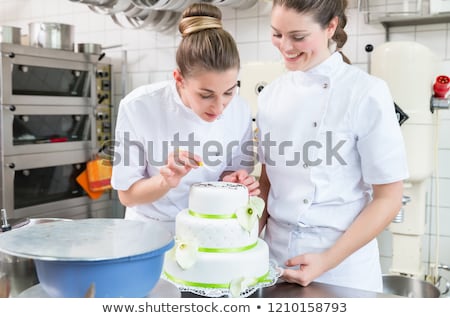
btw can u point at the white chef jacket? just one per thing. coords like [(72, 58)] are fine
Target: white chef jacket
[(151, 118), (325, 136)]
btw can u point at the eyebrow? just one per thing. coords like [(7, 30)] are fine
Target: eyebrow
[(211, 91), (291, 32)]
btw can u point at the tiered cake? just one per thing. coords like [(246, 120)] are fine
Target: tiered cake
[(216, 243)]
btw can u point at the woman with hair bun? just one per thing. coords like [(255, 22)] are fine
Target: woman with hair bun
[(332, 152), (193, 128)]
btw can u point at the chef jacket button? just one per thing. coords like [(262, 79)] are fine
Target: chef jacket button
[(305, 166), (305, 201), (325, 86), (315, 124)]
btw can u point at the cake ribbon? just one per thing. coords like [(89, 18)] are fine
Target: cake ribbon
[(213, 216), (263, 279), (227, 249)]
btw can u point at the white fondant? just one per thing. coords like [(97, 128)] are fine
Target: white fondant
[(213, 233), (222, 268), (218, 198), (210, 200)]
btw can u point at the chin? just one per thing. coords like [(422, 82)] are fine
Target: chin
[(209, 119)]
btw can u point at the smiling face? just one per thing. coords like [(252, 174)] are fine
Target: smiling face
[(207, 93), (302, 41)]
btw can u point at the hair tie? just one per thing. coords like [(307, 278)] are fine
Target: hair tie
[(199, 23)]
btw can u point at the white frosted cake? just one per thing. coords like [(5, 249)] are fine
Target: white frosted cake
[(216, 243)]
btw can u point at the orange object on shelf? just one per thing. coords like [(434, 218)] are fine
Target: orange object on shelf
[(83, 181), (99, 173)]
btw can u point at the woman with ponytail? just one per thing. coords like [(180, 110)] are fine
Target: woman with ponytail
[(332, 152), (193, 128)]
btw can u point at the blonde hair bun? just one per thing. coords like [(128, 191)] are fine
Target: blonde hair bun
[(199, 17)]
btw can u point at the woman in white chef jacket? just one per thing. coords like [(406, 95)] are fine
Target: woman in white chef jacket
[(194, 128), (332, 152)]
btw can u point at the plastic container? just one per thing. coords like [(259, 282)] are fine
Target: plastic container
[(121, 258)]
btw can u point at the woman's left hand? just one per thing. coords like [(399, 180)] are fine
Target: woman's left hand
[(310, 265), (242, 177)]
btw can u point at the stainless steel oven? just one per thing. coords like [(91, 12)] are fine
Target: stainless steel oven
[(55, 115), (36, 76), (34, 129), (45, 185)]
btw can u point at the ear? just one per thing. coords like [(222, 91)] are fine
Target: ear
[(178, 77), (332, 26)]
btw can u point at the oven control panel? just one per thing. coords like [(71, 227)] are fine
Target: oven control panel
[(103, 111)]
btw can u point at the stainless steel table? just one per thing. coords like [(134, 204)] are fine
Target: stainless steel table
[(314, 290)]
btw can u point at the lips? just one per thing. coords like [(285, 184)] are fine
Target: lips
[(212, 116), (292, 57)]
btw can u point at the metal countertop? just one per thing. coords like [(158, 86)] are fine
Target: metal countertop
[(314, 290)]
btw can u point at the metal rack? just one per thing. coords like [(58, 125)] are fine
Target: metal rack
[(394, 13)]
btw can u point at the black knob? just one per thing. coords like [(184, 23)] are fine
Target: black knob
[(369, 48), (102, 98), (101, 56), (12, 165), (11, 55), (12, 108)]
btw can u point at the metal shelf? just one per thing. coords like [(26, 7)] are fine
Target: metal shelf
[(389, 22)]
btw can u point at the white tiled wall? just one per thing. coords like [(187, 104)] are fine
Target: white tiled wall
[(150, 58)]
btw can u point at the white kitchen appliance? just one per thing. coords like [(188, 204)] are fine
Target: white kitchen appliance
[(409, 69)]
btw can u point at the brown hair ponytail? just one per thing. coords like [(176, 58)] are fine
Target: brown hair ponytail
[(340, 36)]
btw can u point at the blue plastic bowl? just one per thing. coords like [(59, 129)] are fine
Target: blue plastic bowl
[(122, 258), (130, 277)]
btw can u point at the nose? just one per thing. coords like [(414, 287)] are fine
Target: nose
[(285, 44), (218, 105)]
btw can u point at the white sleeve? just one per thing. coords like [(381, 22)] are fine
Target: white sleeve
[(129, 163), (380, 141)]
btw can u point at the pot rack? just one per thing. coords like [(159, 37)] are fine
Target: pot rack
[(156, 15)]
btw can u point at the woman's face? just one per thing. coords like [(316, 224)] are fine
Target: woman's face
[(302, 42), (207, 93)]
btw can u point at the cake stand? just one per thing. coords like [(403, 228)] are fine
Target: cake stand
[(272, 277)]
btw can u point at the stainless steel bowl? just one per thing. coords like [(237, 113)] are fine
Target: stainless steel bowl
[(19, 271), (52, 35), (409, 287)]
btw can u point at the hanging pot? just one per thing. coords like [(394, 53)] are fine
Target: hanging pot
[(52, 35)]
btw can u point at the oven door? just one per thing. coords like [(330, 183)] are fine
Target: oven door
[(31, 129), (31, 80), (40, 183)]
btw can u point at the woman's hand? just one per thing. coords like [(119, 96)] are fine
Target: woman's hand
[(242, 177), (179, 163), (311, 266)]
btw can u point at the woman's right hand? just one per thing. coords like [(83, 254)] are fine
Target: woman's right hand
[(179, 163)]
